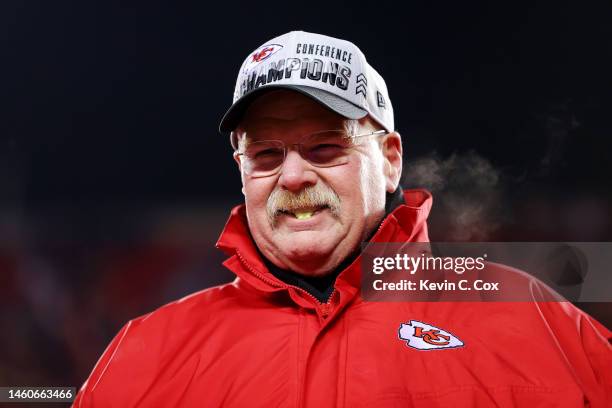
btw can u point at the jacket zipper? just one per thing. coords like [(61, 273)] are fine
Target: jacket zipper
[(324, 307)]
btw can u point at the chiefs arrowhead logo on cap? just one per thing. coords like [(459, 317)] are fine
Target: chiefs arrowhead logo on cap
[(423, 336), (262, 53)]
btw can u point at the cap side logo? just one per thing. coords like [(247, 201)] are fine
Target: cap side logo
[(262, 53), (380, 100), (423, 336)]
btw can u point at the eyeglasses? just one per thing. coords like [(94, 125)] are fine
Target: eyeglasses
[(327, 148)]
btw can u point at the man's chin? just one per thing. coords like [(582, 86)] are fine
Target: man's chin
[(307, 247)]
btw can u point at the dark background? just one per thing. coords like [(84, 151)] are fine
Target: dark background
[(114, 183)]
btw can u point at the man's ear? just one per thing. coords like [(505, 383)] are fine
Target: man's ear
[(392, 155), (237, 160), (235, 139)]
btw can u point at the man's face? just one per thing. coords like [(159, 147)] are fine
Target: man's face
[(305, 218)]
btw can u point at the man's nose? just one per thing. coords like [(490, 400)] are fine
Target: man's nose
[(296, 173)]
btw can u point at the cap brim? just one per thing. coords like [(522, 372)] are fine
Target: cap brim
[(234, 114)]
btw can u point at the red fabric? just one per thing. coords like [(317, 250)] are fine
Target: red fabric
[(259, 342)]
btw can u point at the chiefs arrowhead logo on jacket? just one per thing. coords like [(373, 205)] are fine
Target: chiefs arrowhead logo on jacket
[(423, 336)]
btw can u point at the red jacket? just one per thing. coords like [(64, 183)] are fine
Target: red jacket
[(259, 342)]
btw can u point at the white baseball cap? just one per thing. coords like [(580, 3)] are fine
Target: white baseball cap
[(333, 72)]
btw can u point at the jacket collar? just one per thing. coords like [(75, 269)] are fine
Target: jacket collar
[(407, 223)]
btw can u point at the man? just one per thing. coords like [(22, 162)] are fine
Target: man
[(313, 131)]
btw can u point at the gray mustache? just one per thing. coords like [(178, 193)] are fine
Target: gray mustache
[(319, 195)]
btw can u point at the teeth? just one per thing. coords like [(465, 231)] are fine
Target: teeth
[(303, 215)]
